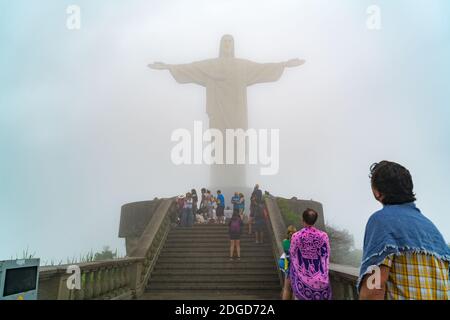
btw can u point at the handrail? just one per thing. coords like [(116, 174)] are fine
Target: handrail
[(276, 230), (276, 223), (343, 281), (152, 240), (107, 279)]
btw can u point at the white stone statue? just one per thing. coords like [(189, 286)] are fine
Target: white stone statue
[(226, 79)]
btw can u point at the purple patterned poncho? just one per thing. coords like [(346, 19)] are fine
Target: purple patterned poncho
[(310, 257)]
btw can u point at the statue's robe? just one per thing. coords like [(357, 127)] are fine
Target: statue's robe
[(226, 81)]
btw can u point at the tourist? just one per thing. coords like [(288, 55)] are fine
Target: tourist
[(405, 247), (235, 201), (209, 205), (214, 209), (257, 194), (287, 290), (251, 216), (241, 206), (186, 216), (220, 207), (235, 227), (202, 200), (199, 219), (203, 204), (309, 261), (256, 200), (228, 214), (194, 201), (259, 223), (180, 205)]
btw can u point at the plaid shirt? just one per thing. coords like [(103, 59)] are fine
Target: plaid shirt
[(414, 276)]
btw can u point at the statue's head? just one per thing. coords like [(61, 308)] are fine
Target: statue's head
[(227, 47)]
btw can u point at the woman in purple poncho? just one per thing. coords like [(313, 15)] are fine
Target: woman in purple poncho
[(309, 261)]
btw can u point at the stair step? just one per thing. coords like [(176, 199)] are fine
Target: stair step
[(211, 235), (187, 272), (214, 286), (208, 235), (205, 250), (221, 278), (162, 294), (218, 259), (213, 264), (214, 241), (212, 245), (205, 226), (207, 229), (224, 253)]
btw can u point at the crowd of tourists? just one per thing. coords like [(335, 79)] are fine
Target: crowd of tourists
[(212, 210)]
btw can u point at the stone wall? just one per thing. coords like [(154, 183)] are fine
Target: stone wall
[(134, 218), (298, 206)]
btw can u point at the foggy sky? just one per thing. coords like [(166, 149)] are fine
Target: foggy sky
[(85, 126)]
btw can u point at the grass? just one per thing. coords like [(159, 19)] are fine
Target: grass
[(289, 216), (90, 256), (26, 254)]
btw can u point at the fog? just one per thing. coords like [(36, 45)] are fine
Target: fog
[(85, 126)]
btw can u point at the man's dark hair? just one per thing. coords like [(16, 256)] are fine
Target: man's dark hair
[(310, 216), (393, 182), (218, 191)]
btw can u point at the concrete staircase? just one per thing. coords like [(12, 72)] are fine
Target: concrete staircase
[(194, 264)]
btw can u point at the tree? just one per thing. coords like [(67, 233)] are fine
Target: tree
[(106, 254), (342, 251)]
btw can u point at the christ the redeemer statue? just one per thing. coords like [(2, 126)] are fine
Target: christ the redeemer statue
[(226, 79)]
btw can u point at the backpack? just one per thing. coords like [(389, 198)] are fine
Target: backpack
[(235, 226)]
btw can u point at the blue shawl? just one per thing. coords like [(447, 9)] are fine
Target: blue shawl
[(396, 229)]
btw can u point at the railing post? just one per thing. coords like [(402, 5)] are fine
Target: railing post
[(89, 285), (63, 292), (78, 294)]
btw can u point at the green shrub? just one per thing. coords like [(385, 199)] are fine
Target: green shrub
[(289, 216), (106, 254)]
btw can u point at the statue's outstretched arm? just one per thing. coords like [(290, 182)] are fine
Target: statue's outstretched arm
[(268, 72), (294, 63), (196, 72), (159, 66)]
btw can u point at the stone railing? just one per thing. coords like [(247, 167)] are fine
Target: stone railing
[(343, 281), (118, 279), (343, 278), (152, 240), (109, 279), (276, 228)]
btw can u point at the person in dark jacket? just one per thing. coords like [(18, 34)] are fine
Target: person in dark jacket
[(235, 227)]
